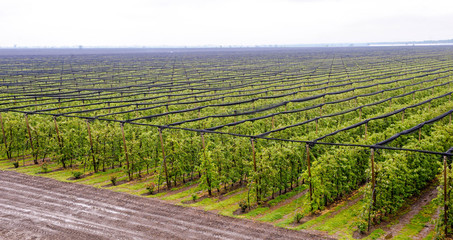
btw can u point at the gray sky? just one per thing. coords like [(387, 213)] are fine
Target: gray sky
[(220, 22)]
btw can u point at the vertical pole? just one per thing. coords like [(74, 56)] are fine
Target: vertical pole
[(31, 141), (316, 126), (366, 130), (92, 149), (273, 122), (254, 168), (309, 171), (360, 113), (445, 196), (164, 162), (58, 132), (208, 180), (373, 178), (125, 151), (320, 111), (253, 154), (419, 134), (4, 136)]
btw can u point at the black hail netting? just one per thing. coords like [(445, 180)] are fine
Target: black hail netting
[(192, 89)]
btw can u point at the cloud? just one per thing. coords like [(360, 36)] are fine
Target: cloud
[(219, 22)]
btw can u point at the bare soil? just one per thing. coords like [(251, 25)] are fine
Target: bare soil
[(33, 207), (412, 209), (426, 197)]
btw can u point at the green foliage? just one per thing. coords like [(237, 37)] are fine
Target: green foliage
[(45, 168), (243, 205), (194, 197), (150, 187), (113, 180), (298, 217), (77, 174)]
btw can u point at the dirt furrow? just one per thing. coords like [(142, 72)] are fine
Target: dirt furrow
[(41, 208)]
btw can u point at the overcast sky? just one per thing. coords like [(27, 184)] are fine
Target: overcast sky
[(220, 22)]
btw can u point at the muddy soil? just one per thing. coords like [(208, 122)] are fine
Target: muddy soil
[(33, 207)]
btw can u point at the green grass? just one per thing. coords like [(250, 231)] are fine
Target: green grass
[(418, 222), (342, 225)]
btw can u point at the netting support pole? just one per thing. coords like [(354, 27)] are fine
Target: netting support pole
[(57, 131), (35, 160), (208, 180), (445, 196), (125, 152), (4, 136), (254, 167), (419, 135), (366, 130), (91, 144), (373, 179), (163, 157), (307, 146), (316, 126)]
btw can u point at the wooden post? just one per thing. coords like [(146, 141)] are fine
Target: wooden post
[(58, 132), (309, 171), (35, 160), (208, 180), (91, 143), (316, 126), (445, 196), (164, 162), (373, 178), (419, 134), (4, 135), (253, 154), (366, 130), (125, 152), (254, 168)]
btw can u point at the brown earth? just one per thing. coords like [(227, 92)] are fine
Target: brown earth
[(34, 207)]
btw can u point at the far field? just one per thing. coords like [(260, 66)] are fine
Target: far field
[(317, 139)]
